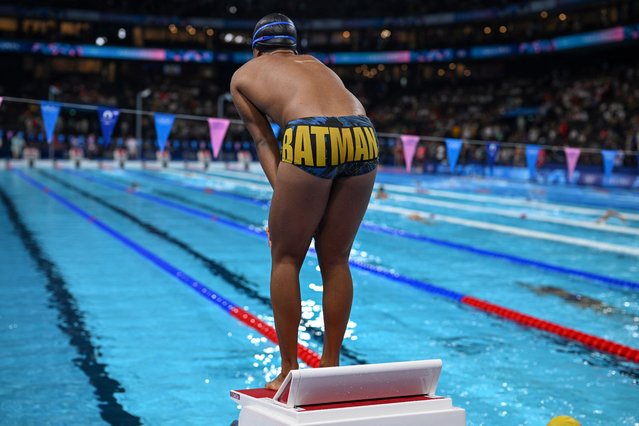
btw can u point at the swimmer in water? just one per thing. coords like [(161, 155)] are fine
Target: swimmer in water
[(610, 213), (574, 299), (381, 193), (419, 218), (322, 177)]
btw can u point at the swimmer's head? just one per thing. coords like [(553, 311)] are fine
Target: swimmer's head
[(274, 32)]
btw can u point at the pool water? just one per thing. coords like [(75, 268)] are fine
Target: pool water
[(93, 332)]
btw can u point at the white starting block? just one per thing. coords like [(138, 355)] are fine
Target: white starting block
[(393, 394)]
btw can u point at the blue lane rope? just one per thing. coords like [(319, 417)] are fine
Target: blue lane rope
[(311, 357), (305, 354), (515, 259), (173, 205), (194, 284), (376, 270), (616, 282)]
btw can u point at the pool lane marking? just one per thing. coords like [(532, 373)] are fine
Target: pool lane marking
[(512, 258), (506, 213), (206, 177), (567, 333), (71, 321), (518, 202), (518, 215), (236, 175), (196, 188), (305, 354), (213, 266), (504, 229), (516, 259), (523, 232)]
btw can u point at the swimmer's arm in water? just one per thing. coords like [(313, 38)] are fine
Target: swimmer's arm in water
[(258, 126)]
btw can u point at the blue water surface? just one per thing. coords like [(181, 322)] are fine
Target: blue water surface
[(175, 355)]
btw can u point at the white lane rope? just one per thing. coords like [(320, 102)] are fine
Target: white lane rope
[(502, 200), (521, 215), (581, 242), (518, 201)]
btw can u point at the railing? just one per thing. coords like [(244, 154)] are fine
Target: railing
[(388, 140)]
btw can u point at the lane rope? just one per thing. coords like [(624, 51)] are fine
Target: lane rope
[(307, 355), (603, 227), (513, 201), (370, 226), (505, 229), (512, 258), (567, 333), (520, 232), (509, 201), (205, 190)]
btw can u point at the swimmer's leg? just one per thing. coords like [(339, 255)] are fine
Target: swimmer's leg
[(346, 207), (299, 200)]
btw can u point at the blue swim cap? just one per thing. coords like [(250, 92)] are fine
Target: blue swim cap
[(274, 31)]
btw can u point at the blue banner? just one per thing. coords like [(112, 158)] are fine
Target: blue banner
[(108, 118), (163, 124), (491, 150), (609, 157), (532, 152), (453, 148), (50, 112)]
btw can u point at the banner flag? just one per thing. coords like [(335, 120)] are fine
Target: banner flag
[(453, 148), (492, 149), (410, 145), (572, 156), (163, 124), (532, 152), (217, 129), (108, 118), (50, 112), (1, 99), (609, 157)]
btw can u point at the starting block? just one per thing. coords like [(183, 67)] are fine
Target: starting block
[(392, 394)]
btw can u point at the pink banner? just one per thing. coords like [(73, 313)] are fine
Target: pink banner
[(572, 155), (1, 98), (410, 144), (218, 128)]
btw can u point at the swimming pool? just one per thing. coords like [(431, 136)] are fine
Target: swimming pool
[(97, 326)]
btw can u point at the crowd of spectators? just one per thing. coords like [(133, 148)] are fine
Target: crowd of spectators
[(595, 108)]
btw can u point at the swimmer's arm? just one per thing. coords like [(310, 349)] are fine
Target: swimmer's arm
[(258, 126)]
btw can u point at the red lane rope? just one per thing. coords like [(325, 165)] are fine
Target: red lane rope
[(598, 343), (311, 358)]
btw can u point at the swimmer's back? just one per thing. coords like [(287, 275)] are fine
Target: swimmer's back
[(288, 87)]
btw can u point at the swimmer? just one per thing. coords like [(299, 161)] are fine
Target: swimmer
[(381, 193), (574, 299), (133, 187), (610, 213), (322, 177), (419, 218)]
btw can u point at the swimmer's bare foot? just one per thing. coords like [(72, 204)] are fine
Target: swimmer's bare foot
[(276, 383)]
